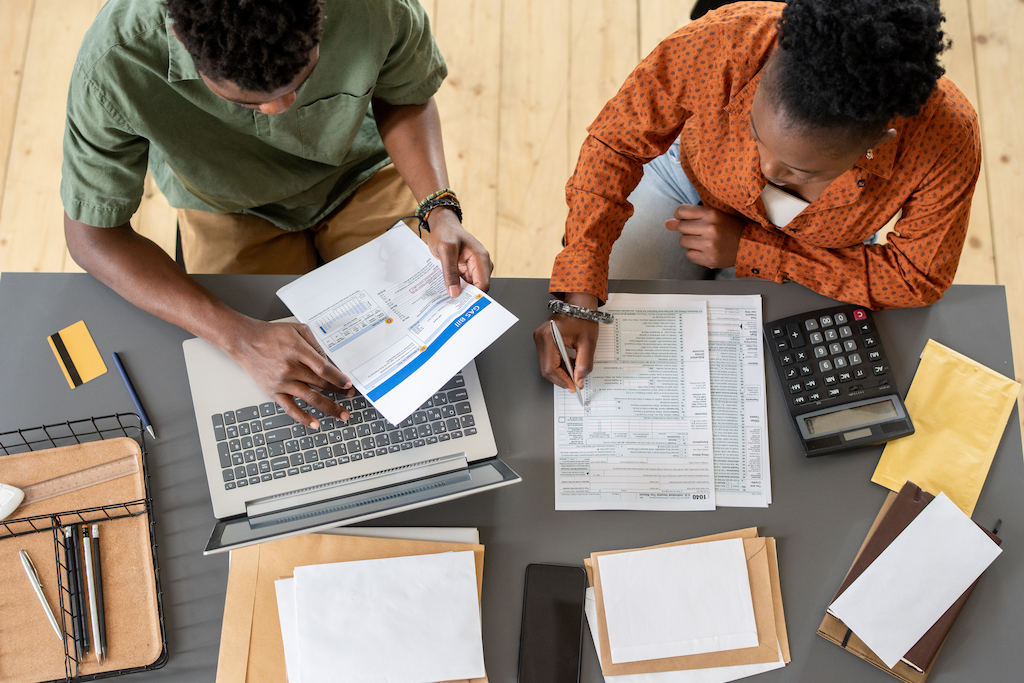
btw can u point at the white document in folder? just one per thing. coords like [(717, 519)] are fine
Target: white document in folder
[(383, 315)]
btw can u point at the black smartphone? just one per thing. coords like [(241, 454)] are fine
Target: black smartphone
[(552, 631)]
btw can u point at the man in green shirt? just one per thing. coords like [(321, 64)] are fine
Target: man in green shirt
[(269, 125)]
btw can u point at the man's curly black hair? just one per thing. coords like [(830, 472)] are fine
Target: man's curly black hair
[(856, 64), (259, 45)]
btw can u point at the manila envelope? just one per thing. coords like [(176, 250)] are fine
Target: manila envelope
[(758, 563), (251, 648)]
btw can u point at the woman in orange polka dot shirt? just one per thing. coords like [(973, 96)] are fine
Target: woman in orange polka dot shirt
[(775, 140)]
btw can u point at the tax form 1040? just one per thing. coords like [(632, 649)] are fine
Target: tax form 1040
[(675, 416)]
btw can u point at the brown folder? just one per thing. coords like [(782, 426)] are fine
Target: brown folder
[(29, 648), (895, 516)]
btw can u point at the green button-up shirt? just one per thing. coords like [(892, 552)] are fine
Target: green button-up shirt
[(136, 99)]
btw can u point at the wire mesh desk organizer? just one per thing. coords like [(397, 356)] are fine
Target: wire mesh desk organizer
[(122, 507)]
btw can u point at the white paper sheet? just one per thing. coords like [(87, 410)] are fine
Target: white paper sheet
[(404, 620), (718, 674), (675, 601), (383, 315), (644, 440), (915, 580), (289, 626)]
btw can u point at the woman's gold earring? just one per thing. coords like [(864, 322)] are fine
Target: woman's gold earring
[(870, 154)]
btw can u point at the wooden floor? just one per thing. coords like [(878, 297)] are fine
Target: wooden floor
[(527, 77)]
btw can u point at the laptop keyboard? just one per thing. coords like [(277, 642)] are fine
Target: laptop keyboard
[(261, 443)]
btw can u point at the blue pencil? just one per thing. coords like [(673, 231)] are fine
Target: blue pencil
[(135, 397)]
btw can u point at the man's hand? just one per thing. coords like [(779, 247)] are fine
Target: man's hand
[(577, 334), (711, 237), (286, 361), (459, 252)]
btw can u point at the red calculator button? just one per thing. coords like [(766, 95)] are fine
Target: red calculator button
[(859, 314)]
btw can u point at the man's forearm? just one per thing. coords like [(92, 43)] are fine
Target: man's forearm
[(140, 271), (412, 137)]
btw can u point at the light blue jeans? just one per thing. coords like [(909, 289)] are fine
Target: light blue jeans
[(646, 250)]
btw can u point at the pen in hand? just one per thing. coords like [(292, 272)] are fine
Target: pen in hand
[(33, 576), (565, 359)]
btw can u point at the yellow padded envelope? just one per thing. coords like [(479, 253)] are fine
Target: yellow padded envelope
[(959, 409)]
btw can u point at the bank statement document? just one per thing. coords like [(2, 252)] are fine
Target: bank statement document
[(382, 314), (739, 414), (643, 439)]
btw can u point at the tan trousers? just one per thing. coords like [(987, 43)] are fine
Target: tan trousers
[(239, 243)]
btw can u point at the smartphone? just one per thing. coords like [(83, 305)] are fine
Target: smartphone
[(551, 635)]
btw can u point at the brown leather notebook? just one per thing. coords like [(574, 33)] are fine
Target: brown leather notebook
[(907, 505)]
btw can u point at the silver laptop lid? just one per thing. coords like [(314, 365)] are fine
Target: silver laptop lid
[(259, 462)]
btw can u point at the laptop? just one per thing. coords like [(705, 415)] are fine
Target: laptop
[(271, 477)]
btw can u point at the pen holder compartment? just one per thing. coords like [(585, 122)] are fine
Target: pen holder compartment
[(136, 637)]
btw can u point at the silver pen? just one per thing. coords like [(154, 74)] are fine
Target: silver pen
[(30, 569), (565, 359)]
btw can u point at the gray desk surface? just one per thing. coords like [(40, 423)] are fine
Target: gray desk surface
[(822, 510)]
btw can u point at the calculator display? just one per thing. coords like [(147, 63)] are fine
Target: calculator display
[(851, 417)]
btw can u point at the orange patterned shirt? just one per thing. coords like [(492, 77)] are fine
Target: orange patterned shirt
[(699, 84)]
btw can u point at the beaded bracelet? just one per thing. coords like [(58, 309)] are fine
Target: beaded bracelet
[(428, 206), (446, 192)]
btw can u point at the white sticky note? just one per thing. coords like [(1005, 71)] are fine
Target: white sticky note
[(675, 601), (403, 619), (915, 580)]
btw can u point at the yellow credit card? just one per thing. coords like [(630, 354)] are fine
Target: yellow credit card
[(77, 354)]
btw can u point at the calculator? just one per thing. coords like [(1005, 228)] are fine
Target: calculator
[(836, 379)]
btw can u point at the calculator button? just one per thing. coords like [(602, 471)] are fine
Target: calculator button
[(859, 314), (869, 342), (781, 346), (860, 373), (874, 355), (810, 384), (831, 335), (786, 359), (832, 393), (778, 332), (799, 401), (839, 362), (801, 356), (830, 380), (864, 328), (835, 347), (878, 369), (792, 373), (840, 318), (796, 388), (816, 396), (826, 321), (855, 359), (806, 370), (817, 337), (820, 352), (811, 325), (845, 376), (850, 345), (793, 333), (845, 331), (825, 365)]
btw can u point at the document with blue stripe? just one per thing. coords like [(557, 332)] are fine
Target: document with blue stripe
[(382, 314)]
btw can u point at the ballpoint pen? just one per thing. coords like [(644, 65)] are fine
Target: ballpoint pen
[(90, 582), (33, 576), (80, 597), (135, 397), (97, 569), (73, 604), (565, 359)]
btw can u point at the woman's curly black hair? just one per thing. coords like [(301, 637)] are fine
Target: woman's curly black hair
[(856, 64), (259, 45)]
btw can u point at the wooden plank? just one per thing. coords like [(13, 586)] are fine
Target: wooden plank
[(533, 148), (15, 20), (31, 219), (977, 264), (659, 19), (469, 35), (998, 29), (604, 51)]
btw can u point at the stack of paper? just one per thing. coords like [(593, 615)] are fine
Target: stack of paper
[(674, 414), (705, 610)]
